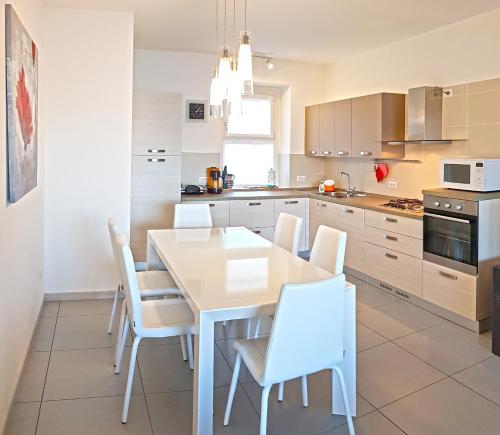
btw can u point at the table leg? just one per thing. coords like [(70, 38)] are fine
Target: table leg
[(348, 365), (203, 394), (153, 261)]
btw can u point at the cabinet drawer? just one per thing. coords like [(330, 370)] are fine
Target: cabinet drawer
[(220, 213), (295, 207), (396, 224), (267, 233), (349, 219), (450, 289), (396, 242), (254, 213), (392, 267)]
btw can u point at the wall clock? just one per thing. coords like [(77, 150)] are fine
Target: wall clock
[(196, 111)]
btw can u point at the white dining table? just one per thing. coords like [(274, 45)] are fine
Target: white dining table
[(232, 273)]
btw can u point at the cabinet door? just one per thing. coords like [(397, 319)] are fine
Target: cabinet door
[(253, 213), (295, 207), (312, 147), (154, 192), (343, 126), (156, 123), (320, 213), (352, 221), (219, 211), (367, 126), (327, 129), (267, 233)]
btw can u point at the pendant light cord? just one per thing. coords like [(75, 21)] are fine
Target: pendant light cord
[(225, 21), (216, 25), (245, 16)]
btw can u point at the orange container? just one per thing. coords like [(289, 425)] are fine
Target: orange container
[(329, 186)]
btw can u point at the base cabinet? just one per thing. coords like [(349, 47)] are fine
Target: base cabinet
[(295, 207), (219, 211)]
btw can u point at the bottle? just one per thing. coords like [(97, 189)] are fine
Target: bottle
[(321, 188), (271, 178)]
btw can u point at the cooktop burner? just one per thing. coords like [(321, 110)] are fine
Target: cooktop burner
[(405, 204)]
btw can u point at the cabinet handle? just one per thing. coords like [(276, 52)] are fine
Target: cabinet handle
[(211, 205), (391, 256), (156, 160), (291, 202), (251, 204), (155, 151), (387, 237), (348, 210), (313, 152), (448, 275), (256, 231), (365, 153), (320, 204), (326, 153), (388, 219), (342, 153)]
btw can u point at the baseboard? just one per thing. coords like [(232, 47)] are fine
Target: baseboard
[(74, 296)]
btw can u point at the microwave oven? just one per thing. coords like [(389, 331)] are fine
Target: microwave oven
[(478, 175)]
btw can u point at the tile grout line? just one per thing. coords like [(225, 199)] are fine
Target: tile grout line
[(144, 391)]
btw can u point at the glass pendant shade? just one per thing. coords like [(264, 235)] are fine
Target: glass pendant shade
[(225, 72), (216, 97), (245, 64), (234, 94)]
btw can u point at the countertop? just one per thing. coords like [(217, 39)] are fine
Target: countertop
[(370, 202), (466, 195)]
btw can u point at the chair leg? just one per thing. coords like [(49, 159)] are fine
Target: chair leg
[(190, 351), (305, 400), (123, 313), (184, 348), (249, 327), (257, 328), (130, 379), (121, 348), (113, 310), (263, 409), (345, 398), (281, 387), (232, 389)]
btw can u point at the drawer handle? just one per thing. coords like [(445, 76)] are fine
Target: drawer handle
[(342, 153), (156, 160), (388, 219), (155, 151), (256, 231), (313, 152), (348, 210), (251, 204), (391, 256), (320, 204), (211, 205), (448, 275), (326, 153), (387, 237), (365, 153), (291, 202)]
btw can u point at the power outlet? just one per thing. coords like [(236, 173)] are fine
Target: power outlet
[(448, 92), (301, 178), (393, 184), (202, 181)]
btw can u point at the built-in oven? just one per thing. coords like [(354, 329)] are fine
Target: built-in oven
[(450, 233)]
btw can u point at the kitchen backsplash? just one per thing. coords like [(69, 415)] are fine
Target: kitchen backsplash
[(194, 166)]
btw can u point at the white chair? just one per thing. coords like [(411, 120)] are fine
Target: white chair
[(192, 216), (296, 348), (158, 318), (328, 251), (288, 231)]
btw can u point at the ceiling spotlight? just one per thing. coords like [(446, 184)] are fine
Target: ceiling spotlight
[(269, 64)]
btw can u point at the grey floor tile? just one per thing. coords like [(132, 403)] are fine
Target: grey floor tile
[(171, 413), (369, 297), (372, 424), (448, 347), (87, 307), (44, 333), (444, 408), (387, 373), (50, 309), (96, 416), (84, 332), (366, 338), (483, 378), (227, 349), (163, 370), (87, 373), (397, 319), (290, 417), (32, 380), (485, 340), (22, 419)]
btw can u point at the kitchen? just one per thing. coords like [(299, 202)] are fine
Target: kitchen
[(363, 119)]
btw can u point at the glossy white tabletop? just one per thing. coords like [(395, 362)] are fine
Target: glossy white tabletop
[(224, 268)]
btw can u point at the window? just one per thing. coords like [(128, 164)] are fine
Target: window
[(249, 141)]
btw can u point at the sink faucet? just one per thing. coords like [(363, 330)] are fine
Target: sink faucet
[(350, 191)]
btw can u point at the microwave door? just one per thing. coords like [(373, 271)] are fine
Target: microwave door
[(457, 175)]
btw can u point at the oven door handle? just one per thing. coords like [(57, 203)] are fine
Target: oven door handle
[(448, 218)]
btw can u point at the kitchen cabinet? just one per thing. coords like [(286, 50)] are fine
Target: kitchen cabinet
[(397, 224), (395, 241), (377, 119), (295, 207), (319, 130), (320, 213), (312, 131), (219, 211), (343, 125), (267, 233), (252, 213)]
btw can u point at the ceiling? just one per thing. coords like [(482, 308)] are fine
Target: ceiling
[(319, 31)]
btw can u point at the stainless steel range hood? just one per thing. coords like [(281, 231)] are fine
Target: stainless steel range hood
[(425, 111)]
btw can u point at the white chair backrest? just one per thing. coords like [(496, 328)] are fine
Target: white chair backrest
[(328, 251), (130, 284), (287, 234), (307, 332), (114, 231), (192, 216)]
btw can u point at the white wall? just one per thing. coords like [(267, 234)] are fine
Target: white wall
[(21, 232), (88, 136), (190, 74)]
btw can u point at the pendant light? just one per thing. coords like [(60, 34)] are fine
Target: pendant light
[(234, 91), (216, 89), (245, 60)]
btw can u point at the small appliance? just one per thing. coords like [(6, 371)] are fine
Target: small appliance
[(214, 180), (478, 175), (192, 189)]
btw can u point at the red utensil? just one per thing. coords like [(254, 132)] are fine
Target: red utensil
[(381, 171)]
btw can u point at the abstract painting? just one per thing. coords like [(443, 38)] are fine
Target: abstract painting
[(22, 107)]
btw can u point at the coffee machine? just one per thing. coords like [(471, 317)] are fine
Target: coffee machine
[(214, 180)]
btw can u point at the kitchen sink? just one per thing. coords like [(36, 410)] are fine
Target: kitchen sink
[(342, 194)]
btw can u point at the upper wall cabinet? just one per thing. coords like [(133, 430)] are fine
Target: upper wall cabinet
[(342, 141), (157, 124), (319, 130), (377, 119)]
